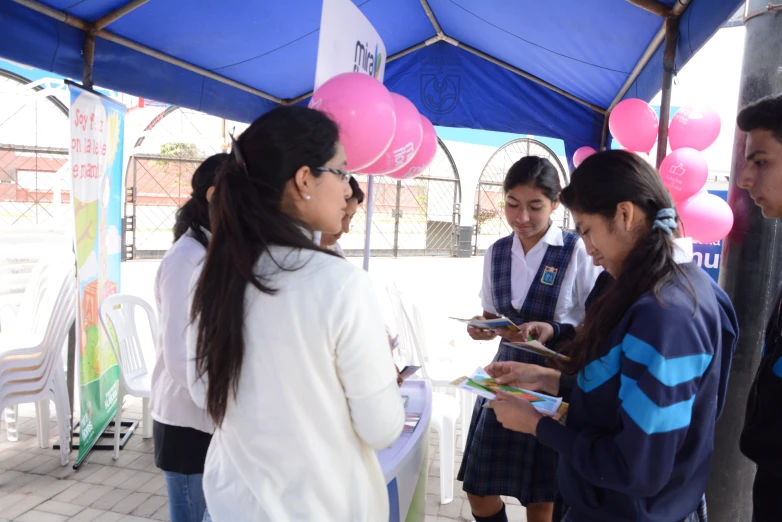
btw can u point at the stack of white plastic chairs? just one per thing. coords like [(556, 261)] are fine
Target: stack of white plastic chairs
[(38, 306)]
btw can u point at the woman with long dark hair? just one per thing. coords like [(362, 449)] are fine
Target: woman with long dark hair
[(181, 429), (538, 273), (291, 356), (651, 359)]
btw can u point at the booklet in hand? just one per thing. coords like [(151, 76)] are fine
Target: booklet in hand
[(534, 346), (490, 324), (481, 384)]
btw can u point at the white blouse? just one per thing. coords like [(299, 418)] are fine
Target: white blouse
[(317, 396), (579, 278), (170, 401)]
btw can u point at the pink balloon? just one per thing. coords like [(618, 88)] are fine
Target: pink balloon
[(694, 127), (423, 157), (707, 218), (364, 111), (582, 154), (684, 172), (406, 142), (634, 124)]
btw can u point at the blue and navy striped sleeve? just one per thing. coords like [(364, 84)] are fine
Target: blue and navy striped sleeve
[(660, 362)]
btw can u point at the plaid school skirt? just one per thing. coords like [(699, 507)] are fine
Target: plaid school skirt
[(498, 461)]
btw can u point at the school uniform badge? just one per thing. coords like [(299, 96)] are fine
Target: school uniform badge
[(549, 276)]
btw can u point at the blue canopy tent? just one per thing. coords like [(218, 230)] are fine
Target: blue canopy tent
[(545, 68)]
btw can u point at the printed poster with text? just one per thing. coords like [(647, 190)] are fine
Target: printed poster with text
[(96, 160)]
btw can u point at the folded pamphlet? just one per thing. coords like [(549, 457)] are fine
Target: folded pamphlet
[(534, 346), (481, 384), (490, 324)]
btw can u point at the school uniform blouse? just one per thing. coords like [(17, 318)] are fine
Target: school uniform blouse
[(170, 401), (317, 396), (579, 278)]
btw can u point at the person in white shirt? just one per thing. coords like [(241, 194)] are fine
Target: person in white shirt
[(291, 358), (181, 429), (538, 273), (355, 199)]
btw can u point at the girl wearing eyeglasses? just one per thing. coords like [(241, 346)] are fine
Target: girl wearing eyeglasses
[(291, 356)]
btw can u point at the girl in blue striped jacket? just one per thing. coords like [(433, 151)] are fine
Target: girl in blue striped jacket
[(651, 359)]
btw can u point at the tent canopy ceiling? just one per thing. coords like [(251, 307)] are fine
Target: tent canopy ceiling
[(586, 48)]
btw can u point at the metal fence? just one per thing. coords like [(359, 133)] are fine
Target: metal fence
[(412, 217), (490, 223), (155, 187), (34, 185)]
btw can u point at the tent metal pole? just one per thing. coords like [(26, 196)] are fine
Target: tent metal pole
[(481, 54), (184, 65), (115, 15), (676, 10), (653, 6), (515, 70), (106, 35), (528, 76), (60, 16), (88, 55), (370, 211), (432, 17), (669, 69), (390, 59)]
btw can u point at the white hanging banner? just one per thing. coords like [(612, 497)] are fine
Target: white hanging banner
[(348, 43)]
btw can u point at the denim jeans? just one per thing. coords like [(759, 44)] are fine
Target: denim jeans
[(185, 497)]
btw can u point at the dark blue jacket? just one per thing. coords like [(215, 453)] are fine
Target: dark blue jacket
[(639, 436)]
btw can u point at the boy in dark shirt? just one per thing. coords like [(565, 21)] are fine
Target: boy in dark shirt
[(761, 440)]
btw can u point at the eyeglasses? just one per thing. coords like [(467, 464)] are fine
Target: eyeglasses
[(345, 175)]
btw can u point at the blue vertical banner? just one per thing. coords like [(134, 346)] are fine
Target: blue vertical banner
[(707, 256), (97, 128)]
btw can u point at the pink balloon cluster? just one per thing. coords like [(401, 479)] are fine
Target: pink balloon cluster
[(706, 217), (382, 132)]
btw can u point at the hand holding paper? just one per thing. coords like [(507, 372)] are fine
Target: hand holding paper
[(540, 332), (515, 413), (482, 329), (481, 384), (526, 376)]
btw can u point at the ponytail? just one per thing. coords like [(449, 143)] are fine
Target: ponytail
[(246, 220), (602, 182)]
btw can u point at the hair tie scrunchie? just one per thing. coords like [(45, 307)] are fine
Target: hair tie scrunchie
[(666, 221)]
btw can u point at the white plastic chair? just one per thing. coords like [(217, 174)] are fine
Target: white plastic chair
[(32, 316), (31, 368), (445, 407), (119, 311), (443, 371)]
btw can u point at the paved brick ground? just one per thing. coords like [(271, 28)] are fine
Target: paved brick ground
[(34, 488)]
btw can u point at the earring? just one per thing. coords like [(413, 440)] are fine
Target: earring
[(307, 197)]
